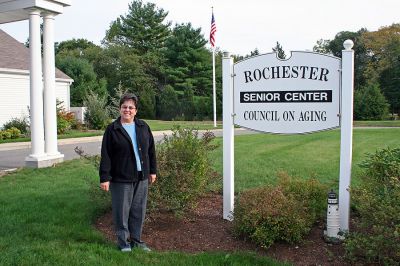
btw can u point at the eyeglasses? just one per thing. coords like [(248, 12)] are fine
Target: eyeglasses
[(128, 107)]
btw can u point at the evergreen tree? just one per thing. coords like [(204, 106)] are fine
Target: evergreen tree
[(370, 104), (168, 104), (188, 61), (142, 28), (278, 49)]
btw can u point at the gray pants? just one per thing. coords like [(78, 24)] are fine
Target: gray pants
[(129, 208)]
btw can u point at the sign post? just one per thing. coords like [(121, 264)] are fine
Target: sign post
[(228, 137), (346, 134)]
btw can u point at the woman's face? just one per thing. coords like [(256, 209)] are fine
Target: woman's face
[(127, 111)]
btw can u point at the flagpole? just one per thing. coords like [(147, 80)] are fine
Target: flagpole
[(212, 41), (214, 91)]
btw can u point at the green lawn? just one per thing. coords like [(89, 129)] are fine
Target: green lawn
[(391, 123), (47, 214), (67, 135), (157, 125), (259, 157), (47, 219)]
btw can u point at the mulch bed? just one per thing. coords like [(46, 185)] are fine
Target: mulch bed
[(203, 230)]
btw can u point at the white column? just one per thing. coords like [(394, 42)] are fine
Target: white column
[(346, 138), (36, 89), (228, 137), (50, 116)]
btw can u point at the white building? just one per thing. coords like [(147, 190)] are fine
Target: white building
[(14, 80), (42, 75)]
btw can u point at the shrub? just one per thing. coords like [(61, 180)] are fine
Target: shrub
[(184, 169), (97, 112), (311, 193), (14, 132), (21, 123), (5, 134), (11, 133), (376, 238), (65, 119), (370, 104), (285, 212)]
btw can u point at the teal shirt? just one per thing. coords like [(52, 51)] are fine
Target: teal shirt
[(131, 129)]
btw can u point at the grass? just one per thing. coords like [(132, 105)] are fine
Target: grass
[(260, 157), (70, 134), (388, 123), (47, 214), (157, 125), (47, 218), (81, 134)]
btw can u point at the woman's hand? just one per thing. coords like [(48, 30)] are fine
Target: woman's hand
[(152, 179), (105, 186)]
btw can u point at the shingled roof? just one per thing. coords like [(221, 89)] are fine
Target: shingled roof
[(14, 55)]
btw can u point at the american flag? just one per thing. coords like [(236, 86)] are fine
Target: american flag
[(213, 30)]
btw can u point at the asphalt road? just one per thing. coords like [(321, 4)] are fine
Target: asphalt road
[(13, 156)]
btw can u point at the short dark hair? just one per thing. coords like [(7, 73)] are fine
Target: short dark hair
[(128, 96)]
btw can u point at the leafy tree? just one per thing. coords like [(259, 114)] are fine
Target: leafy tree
[(142, 28), (335, 47), (120, 66), (78, 46), (322, 47), (85, 79), (390, 83), (370, 104), (278, 49), (383, 49), (188, 61)]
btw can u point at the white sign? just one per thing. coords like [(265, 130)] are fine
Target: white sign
[(293, 96)]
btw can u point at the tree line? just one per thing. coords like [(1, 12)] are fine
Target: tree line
[(169, 66)]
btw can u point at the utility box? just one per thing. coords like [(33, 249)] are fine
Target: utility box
[(79, 113)]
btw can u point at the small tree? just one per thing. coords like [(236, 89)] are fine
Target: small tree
[(97, 114), (370, 104), (114, 108), (278, 49)]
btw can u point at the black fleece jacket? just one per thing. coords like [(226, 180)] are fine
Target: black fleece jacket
[(118, 163)]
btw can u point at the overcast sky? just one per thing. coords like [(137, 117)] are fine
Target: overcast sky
[(242, 25)]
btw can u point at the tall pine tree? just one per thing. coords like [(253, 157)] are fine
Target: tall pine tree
[(142, 28)]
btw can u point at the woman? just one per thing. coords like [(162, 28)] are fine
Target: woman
[(128, 165)]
